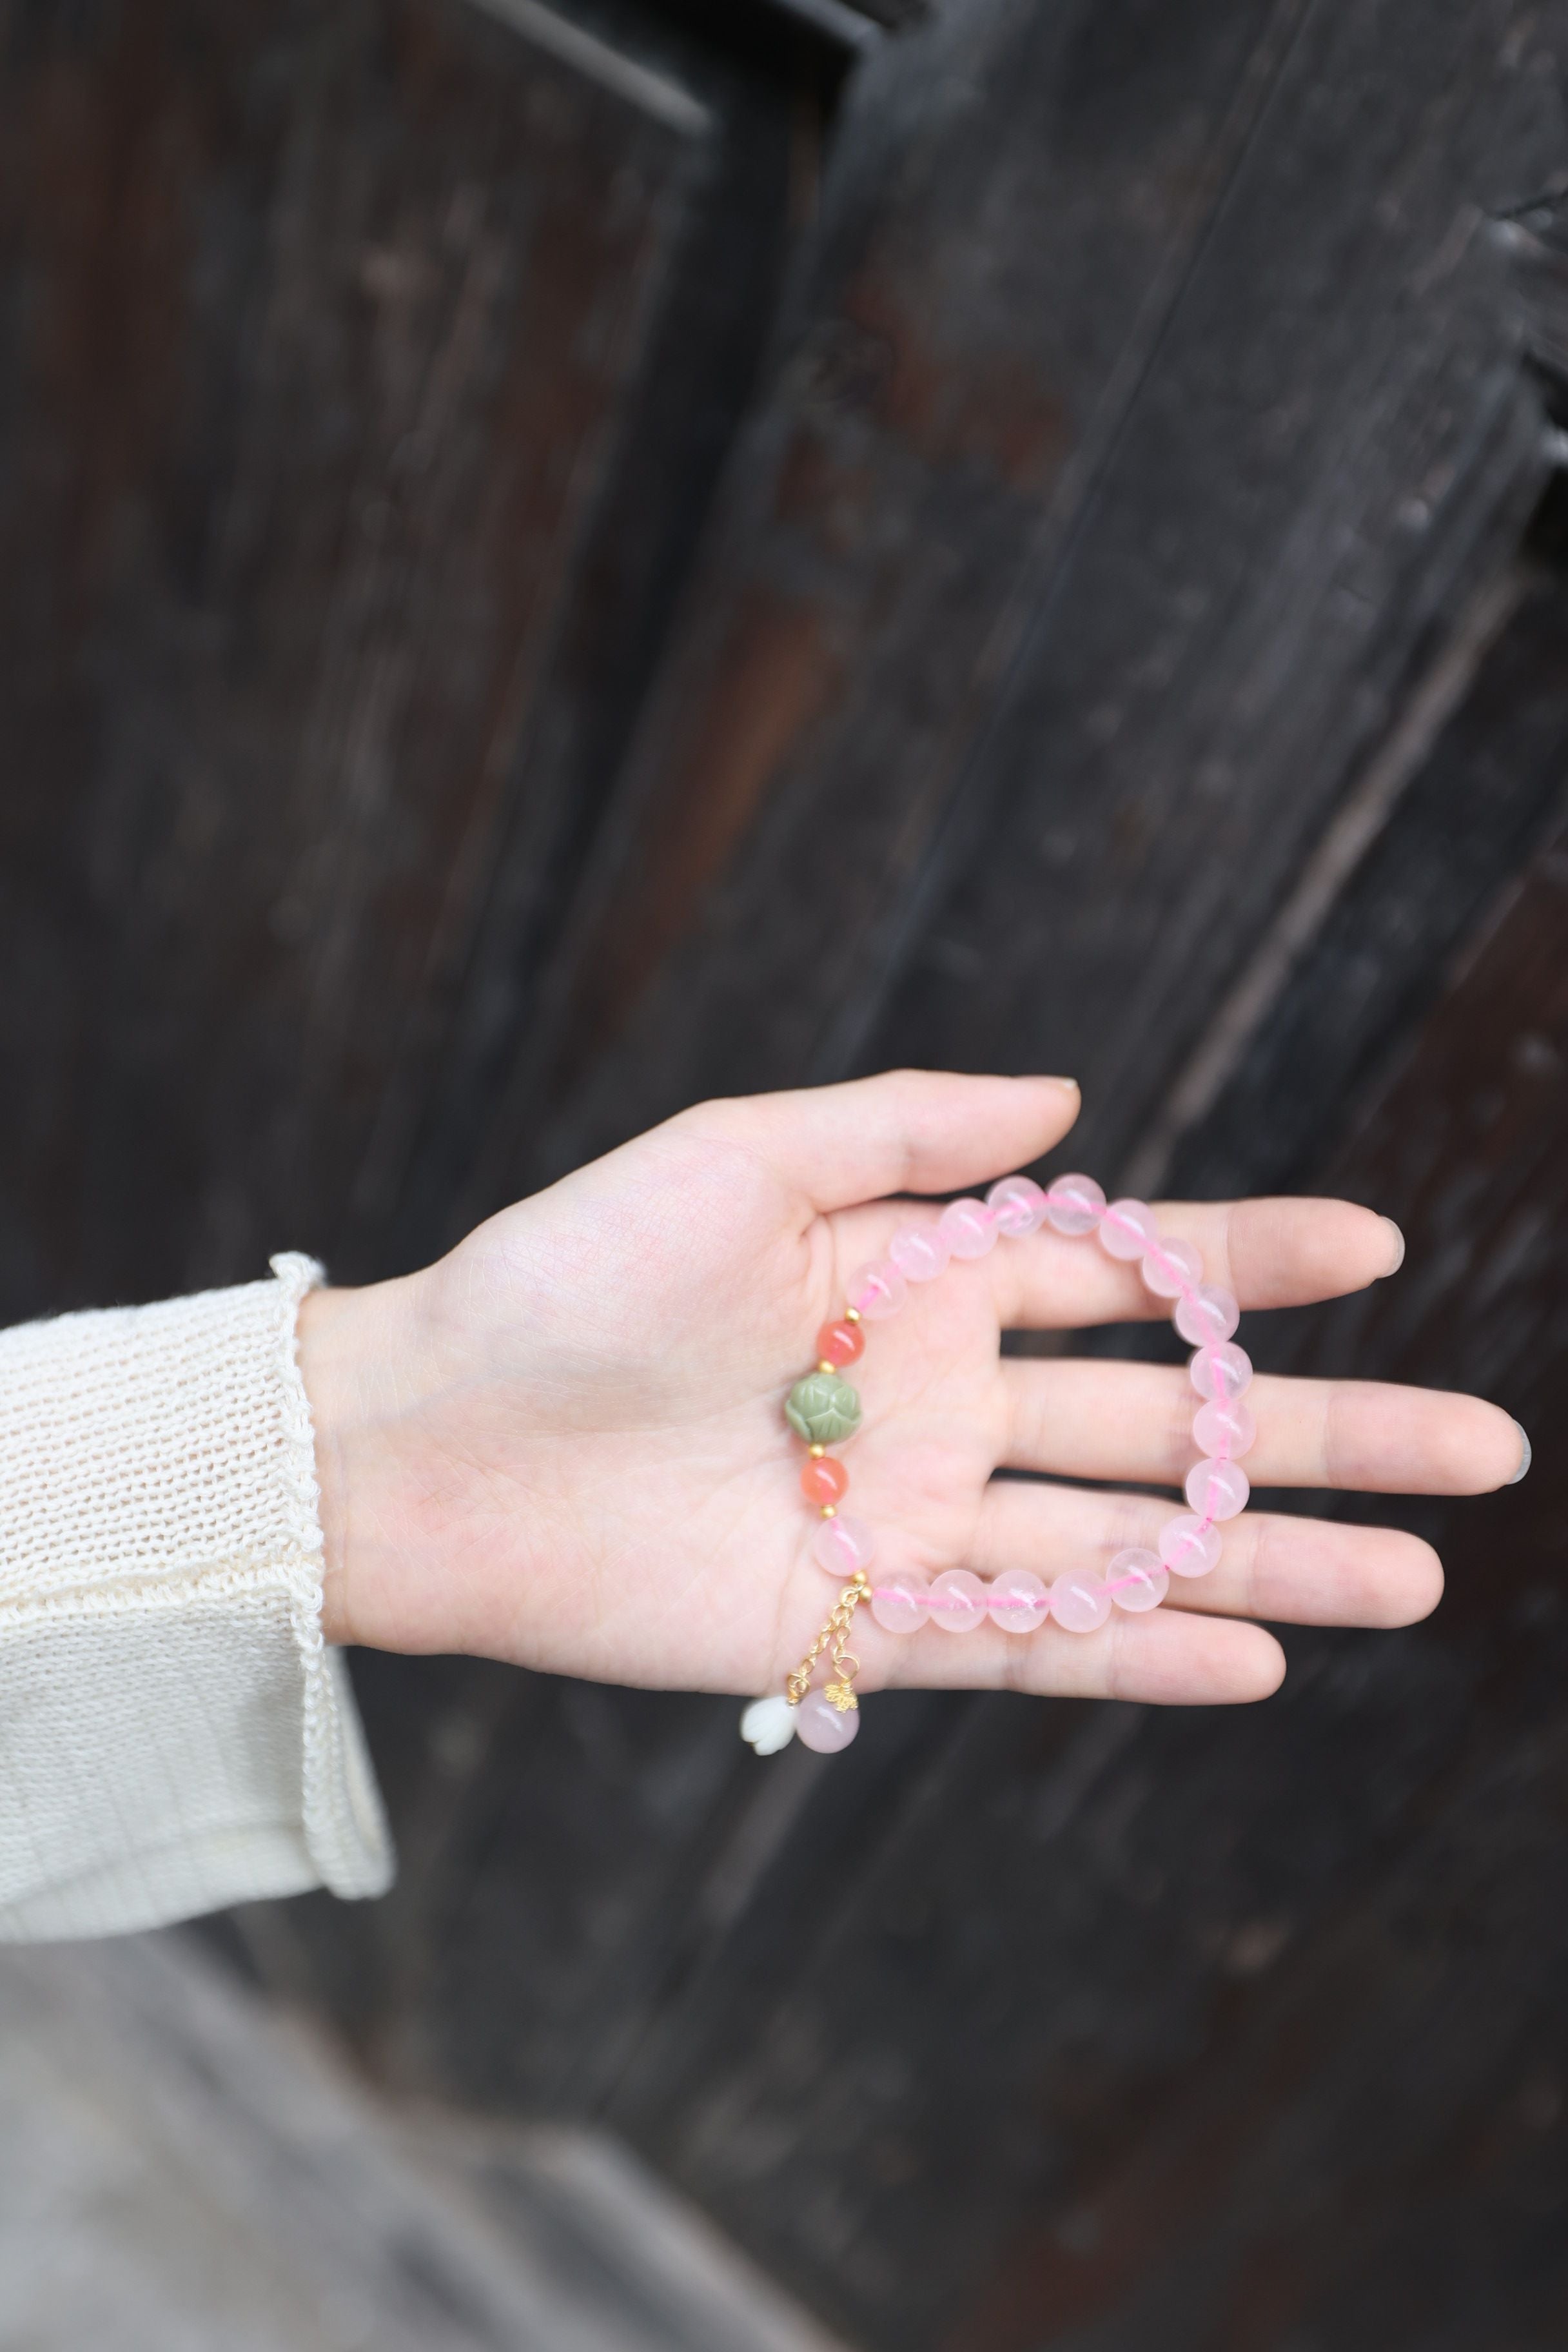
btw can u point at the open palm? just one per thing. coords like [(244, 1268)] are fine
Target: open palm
[(563, 1443)]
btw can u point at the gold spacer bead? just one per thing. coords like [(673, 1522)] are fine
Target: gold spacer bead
[(828, 1512), (817, 1451), (851, 1315), (861, 1578), (827, 1365)]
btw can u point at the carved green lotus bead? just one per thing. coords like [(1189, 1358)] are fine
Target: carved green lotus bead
[(823, 1409)]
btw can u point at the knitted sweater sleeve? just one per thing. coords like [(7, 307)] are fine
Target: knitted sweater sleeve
[(174, 1735)]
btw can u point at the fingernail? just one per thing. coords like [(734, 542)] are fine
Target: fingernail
[(1070, 1083), (1524, 1441), (1398, 1260)]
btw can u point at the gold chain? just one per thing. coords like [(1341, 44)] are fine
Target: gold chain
[(835, 1639)]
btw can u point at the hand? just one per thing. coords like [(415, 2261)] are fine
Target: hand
[(563, 1444)]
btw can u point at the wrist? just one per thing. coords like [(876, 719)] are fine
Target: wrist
[(352, 1352)]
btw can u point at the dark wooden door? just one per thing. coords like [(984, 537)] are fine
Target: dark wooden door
[(563, 559)]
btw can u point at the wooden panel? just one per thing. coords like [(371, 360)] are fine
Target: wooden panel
[(324, 337), (1370, 2143), (1014, 198), (1383, 942), (1069, 684)]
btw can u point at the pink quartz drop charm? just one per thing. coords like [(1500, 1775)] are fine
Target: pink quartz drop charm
[(1074, 1204), (958, 1601), (822, 1725), (1019, 1602), (1217, 1490)]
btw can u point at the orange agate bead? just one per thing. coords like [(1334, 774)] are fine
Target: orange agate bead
[(823, 1480), (840, 1343)]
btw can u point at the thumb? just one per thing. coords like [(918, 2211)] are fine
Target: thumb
[(903, 1131)]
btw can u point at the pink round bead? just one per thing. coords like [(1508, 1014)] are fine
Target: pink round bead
[(1221, 1373), (1217, 1490), (818, 1724), (1017, 1204), (1019, 1602), (920, 1252), (900, 1605), (1227, 1429), (1127, 1229), (1137, 1579), (968, 1228), (1074, 1204), (875, 1292), (843, 1544), (1172, 1267), (957, 1602), (1206, 1316), (1079, 1602), (1187, 1547)]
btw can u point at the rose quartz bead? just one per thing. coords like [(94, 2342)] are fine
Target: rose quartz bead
[(1137, 1579), (1206, 1316), (875, 1292), (920, 1252), (957, 1602), (1080, 1601), (1127, 1229), (1171, 1266), (1074, 1204), (1019, 1602), (1217, 1490), (1017, 1204), (819, 1725), (968, 1228), (900, 1605), (1187, 1547), (1227, 1429), (843, 1544), (1222, 1372)]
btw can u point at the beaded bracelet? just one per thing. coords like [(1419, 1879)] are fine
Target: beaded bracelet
[(824, 1410)]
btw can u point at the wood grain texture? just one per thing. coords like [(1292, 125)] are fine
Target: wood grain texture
[(1278, 437), (934, 425), (1371, 2147), (324, 335)]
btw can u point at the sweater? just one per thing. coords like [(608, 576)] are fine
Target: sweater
[(175, 1733)]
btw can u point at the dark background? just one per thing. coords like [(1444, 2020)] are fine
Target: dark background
[(554, 562)]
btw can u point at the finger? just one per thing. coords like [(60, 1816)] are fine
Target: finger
[(1270, 1252), (1167, 1658), (904, 1131), (1290, 1571), (1085, 1418)]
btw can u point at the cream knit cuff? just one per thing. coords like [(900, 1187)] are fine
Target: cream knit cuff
[(174, 1735)]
